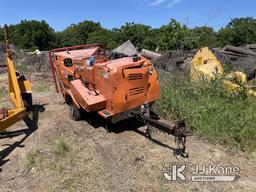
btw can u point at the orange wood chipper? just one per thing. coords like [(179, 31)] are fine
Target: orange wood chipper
[(116, 87)]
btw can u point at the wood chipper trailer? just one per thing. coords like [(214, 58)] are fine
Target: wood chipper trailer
[(117, 88), (20, 93)]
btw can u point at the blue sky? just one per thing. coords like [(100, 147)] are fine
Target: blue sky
[(113, 13)]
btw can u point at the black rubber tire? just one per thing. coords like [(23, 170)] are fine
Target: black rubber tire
[(75, 113)]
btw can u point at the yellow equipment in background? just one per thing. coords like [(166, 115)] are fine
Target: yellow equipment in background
[(20, 92), (206, 67)]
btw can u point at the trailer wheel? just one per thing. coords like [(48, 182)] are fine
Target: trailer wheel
[(75, 113)]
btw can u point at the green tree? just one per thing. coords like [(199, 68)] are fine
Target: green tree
[(77, 33), (32, 35), (103, 36), (1, 34), (142, 36), (39, 35), (238, 32), (205, 36), (175, 36), (68, 37)]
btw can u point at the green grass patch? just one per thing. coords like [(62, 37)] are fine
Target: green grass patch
[(210, 111), (3, 92), (41, 87), (61, 147), (32, 159)]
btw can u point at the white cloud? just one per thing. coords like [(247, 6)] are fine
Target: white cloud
[(173, 2), (157, 2), (170, 3)]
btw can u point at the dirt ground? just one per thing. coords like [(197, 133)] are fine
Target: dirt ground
[(95, 160)]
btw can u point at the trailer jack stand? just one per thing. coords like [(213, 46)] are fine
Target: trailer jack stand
[(179, 131)]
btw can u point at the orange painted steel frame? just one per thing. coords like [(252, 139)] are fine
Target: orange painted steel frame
[(114, 87), (66, 49)]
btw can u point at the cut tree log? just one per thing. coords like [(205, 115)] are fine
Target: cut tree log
[(251, 46), (231, 53), (239, 50), (150, 54)]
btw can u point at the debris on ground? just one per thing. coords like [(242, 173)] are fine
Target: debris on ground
[(127, 49), (175, 60), (233, 58), (36, 61), (237, 58)]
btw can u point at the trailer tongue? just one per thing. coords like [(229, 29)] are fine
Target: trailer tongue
[(178, 130)]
